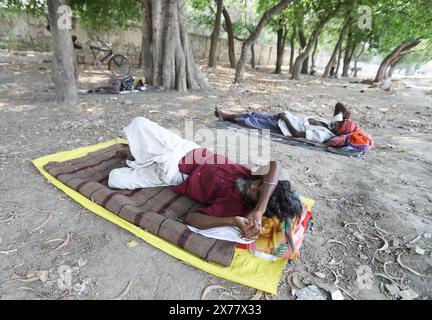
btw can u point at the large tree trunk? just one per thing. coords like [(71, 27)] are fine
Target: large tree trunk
[(292, 53), (230, 32), (400, 49), (214, 39), (305, 53), (63, 57), (146, 59), (171, 53), (337, 47), (280, 49), (303, 44), (254, 35)]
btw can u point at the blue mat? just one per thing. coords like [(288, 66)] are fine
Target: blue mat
[(344, 151)]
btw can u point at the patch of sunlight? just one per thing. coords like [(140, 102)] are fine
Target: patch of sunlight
[(95, 109), (181, 112), (22, 108), (190, 98), (2, 104)]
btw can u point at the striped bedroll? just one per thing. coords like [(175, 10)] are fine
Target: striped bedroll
[(157, 210)]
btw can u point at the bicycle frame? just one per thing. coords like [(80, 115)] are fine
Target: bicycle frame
[(95, 51)]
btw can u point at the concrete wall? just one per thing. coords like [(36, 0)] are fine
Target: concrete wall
[(21, 32)]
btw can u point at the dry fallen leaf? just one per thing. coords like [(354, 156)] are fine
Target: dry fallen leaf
[(257, 295), (132, 244), (210, 288)]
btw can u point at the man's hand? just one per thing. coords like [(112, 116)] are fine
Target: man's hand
[(255, 215), (250, 228)]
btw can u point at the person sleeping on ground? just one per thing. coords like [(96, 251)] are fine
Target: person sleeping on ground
[(336, 132), (233, 195)]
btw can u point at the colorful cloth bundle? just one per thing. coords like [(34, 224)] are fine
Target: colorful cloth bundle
[(351, 135), (282, 238)]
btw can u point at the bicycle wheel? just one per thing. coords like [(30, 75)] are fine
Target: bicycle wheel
[(119, 65)]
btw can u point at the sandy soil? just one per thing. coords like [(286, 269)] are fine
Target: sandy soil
[(382, 201)]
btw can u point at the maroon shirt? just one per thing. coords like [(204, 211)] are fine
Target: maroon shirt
[(212, 181)]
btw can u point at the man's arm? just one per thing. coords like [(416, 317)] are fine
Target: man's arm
[(292, 130), (201, 221)]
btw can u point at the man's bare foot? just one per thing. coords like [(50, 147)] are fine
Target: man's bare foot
[(219, 114)]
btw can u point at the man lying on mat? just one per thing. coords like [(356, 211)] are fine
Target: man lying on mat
[(234, 195), (312, 128)]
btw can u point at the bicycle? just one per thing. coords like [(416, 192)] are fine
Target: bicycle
[(118, 63)]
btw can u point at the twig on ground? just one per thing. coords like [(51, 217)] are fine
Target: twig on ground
[(385, 271), (384, 247), (64, 244), (42, 224), (336, 276), (124, 293), (346, 292), (413, 241), (9, 251), (379, 229), (385, 276), (53, 234), (339, 242), (210, 288), (398, 259)]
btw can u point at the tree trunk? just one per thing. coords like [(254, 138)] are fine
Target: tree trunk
[(171, 53), (338, 62), (280, 50), (312, 69), (395, 63), (230, 32), (356, 58), (146, 60), (292, 53), (349, 52), (337, 47), (303, 44), (305, 53), (252, 61), (254, 35), (214, 39), (63, 57), (382, 71)]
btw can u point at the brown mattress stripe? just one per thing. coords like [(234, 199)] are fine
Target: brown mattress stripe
[(141, 204), (169, 203), (112, 194), (83, 168), (184, 237)]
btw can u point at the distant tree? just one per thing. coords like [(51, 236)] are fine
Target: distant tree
[(254, 35)]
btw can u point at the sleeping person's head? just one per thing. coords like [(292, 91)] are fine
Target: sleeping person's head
[(284, 202)]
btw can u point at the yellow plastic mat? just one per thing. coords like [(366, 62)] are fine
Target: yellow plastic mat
[(245, 269)]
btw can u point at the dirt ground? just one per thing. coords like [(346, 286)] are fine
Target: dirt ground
[(372, 215)]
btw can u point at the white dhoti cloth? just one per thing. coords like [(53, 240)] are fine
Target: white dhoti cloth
[(313, 133), (157, 152)]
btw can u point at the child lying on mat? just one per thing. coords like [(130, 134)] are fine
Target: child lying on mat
[(234, 195), (312, 128)]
